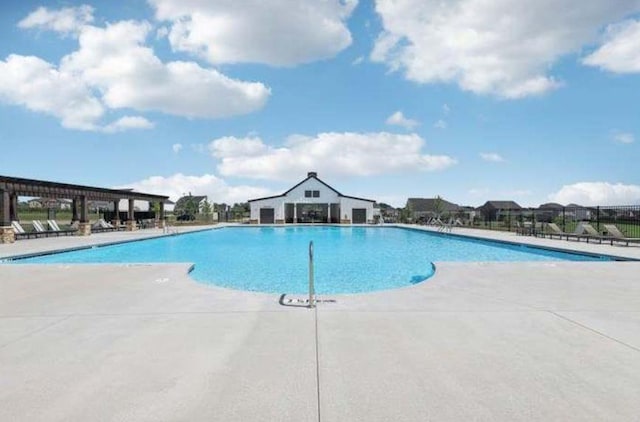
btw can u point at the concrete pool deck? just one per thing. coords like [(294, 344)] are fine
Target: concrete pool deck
[(478, 341)]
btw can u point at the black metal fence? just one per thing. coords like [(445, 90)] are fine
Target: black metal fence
[(625, 218)]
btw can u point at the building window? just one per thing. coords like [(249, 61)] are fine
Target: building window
[(307, 194), (316, 194)]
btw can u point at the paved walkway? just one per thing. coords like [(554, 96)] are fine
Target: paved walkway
[(479, 341)]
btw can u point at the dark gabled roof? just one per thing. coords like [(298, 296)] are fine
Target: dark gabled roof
[(182, 201), (311, 175), (502, 205), (429, 204), (551, 205)]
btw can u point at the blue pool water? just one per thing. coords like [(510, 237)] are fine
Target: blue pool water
[(275, 259)]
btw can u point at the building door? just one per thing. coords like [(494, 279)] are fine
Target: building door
[(267, 216), (359, 216)]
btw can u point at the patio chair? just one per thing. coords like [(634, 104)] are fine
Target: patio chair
[(617, 235)]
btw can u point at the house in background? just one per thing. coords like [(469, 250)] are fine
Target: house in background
[(57, 204), (312, 201), (425, 208), (189, 206), (495, 210), (388, 213), (578, 212), (547, 212)]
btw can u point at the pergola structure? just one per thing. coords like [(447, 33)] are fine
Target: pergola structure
[(13, 187)]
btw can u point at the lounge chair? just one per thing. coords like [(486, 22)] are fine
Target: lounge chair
[(17, 228), (445, 226), (525, 229), (591, 233), (617, 236), (53, 227), (102, 226), (42, 232), (552, 229), (37, 225), (20, 232)]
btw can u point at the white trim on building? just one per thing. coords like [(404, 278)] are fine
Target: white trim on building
[(312, 201)]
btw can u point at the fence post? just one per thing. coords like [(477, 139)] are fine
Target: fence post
[(598, 218)]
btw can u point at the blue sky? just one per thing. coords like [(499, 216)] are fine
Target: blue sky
[(471, 100)]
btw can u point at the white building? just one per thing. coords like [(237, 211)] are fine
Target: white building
[(312, 201)]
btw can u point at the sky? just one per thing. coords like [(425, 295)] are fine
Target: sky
[(471, 100)]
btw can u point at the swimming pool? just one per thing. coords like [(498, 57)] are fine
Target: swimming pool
[(275, 259)]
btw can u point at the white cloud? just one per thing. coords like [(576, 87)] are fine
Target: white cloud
[(113, 68), (497, 47), (115, 60), (597, 193), (216, 189), (358, 60), (624, 138), (128, 122), (280, 32), (360, 154), (399, 119), (66, 20), (492, 157), (440, 124), (446, 109), (620, 52), (176, 148), (37, 85)]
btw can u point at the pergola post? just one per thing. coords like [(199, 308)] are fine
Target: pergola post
[(131, 222), (116, 213), (84, 228), (74, 210), (13, 207), (6, 231)]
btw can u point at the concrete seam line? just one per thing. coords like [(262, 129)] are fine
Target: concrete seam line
[(317, 360), (36, 331), (595, 331)]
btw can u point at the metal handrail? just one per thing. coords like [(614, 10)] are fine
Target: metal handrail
[(312, 292)]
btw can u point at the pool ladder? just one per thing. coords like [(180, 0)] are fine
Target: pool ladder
[(312, 292)]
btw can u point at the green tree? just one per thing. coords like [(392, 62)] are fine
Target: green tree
[(206, 208), (438, 206), (406, 213), (190, 207)]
